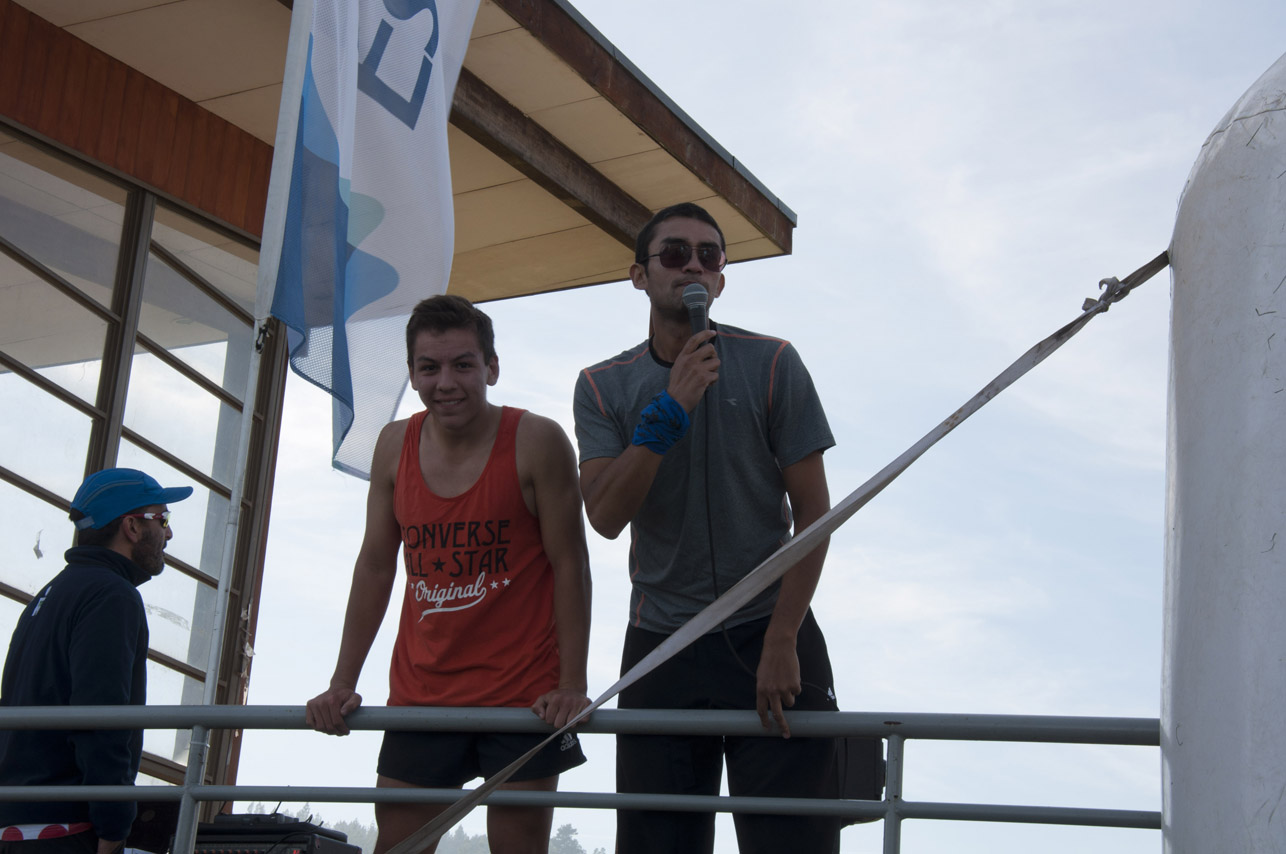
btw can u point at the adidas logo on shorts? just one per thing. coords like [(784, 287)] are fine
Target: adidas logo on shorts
[(568, 742)]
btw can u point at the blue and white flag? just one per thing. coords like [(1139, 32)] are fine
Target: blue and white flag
[(368, 229)]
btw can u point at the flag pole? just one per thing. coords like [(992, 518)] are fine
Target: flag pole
[(269, 258), (283, 158)]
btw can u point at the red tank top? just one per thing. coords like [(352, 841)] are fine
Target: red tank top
[(477, 626)]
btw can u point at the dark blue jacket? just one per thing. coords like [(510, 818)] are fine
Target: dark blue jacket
[(81, 642)]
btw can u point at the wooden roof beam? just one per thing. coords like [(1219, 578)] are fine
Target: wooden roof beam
[(562, 29), (515, 138)]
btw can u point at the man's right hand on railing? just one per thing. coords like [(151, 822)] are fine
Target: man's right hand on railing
[(326, 711)]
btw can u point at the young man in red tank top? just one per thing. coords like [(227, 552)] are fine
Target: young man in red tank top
[(484, 504)]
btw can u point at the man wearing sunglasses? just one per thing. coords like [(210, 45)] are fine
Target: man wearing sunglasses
[(706, 444), (82, 641)]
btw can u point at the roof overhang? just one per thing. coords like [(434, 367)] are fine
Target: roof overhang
[(560, 147)]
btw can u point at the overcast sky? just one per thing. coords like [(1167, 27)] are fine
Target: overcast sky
[(964, 174)]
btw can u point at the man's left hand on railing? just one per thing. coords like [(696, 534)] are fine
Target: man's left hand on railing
[(560, 705), (777, 683)]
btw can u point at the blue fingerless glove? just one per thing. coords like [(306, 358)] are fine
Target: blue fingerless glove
[(662, 423)]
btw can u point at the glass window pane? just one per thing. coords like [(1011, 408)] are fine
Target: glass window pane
[(199, 521), (194, 327), (148, 780), (181, 417), (49, 332), (228, 264), (180, 611), (60, 214), (42, 438), (33, 537), (10, 611), (166, 687)]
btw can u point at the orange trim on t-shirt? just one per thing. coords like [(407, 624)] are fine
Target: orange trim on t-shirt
[(589, 375), (772, 371)]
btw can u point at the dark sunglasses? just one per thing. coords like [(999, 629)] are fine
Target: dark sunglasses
[(674, 255)]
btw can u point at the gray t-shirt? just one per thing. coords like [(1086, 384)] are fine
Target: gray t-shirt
[(762, 415)]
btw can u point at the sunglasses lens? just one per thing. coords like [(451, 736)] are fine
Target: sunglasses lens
[(674, 256), (711, 257)]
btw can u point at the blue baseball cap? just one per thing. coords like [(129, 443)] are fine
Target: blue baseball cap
[(110, 493)]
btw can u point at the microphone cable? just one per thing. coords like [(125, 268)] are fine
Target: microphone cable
[(714, 574), (709, 506)]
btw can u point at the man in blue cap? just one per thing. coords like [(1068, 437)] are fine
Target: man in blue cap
[(82, 641)]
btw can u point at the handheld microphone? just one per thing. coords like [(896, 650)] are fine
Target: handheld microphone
[(697, 300)]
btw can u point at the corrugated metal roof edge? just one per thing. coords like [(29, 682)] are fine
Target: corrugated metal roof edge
[(723, 153)]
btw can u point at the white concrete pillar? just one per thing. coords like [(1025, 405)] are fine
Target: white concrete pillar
[(1223, 711)]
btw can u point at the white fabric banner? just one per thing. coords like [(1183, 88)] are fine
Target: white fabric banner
[(368, 228)]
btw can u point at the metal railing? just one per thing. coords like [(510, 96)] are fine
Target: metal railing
[(893, 728)]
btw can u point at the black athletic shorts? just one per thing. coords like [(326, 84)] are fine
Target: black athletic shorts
[(442, 760), (718, 672)]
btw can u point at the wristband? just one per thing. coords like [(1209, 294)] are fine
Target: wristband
[(661, 423)]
